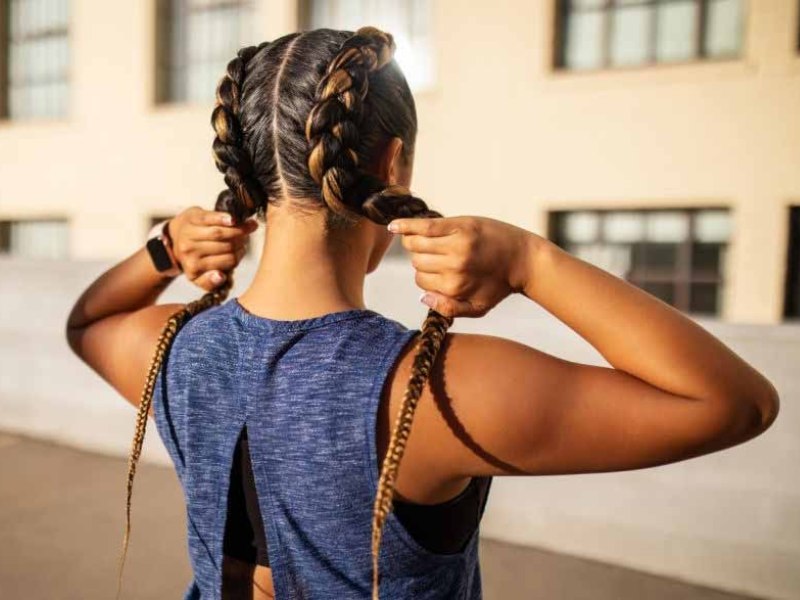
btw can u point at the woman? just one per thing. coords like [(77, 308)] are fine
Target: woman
[(287, 409)]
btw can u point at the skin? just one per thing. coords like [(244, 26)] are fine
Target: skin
[(493, 405)]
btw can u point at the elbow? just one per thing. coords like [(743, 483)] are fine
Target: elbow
[(736, 417), (769, 405), (73, 330), (755, 414), (73, 335)]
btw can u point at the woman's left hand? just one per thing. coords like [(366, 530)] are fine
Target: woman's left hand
[(205, 244)]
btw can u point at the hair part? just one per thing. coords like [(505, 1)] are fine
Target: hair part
[(299, 120)]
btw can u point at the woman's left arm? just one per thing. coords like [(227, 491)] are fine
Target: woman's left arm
[(115, 323)]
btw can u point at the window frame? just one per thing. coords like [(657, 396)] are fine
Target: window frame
[(5, 230), (5, 58), (699, 56), (163, 67), (5, 66), (684, 275), (791, 286)]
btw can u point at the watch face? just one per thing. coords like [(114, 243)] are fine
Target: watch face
[(159, 254)]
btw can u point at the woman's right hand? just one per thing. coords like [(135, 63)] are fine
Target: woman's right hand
[(468, 264)]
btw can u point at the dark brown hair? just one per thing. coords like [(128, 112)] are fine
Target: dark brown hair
[(303, 117)]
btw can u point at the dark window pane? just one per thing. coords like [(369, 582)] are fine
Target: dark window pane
[(663, 291), (791, 308), (706, 257), (704, 298), (5, 237), (655, 256)]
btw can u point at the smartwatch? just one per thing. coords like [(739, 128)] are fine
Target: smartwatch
[(159, 247)]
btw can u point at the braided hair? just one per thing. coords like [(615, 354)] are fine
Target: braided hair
[(293, 119)]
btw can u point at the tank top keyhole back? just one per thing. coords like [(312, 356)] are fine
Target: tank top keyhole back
[(271, 426)]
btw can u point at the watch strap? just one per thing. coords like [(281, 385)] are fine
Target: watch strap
[(159, 247)]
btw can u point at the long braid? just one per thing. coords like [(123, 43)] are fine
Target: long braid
[(239, 199), (333, 136)]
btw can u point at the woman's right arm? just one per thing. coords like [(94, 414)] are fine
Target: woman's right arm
[(674, 391)]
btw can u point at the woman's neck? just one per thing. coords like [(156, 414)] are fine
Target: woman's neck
[(305, 273)]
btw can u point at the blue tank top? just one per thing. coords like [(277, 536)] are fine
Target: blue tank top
[(308, 393)]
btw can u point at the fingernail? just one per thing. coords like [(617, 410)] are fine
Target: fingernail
[(426, 299), (392, 227), (217, 277), (227, 219)]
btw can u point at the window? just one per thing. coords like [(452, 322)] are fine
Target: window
[(596, 34), (34, 58), (409, 21), (195, 41), (34, 238), (791, 306), (676, 255)]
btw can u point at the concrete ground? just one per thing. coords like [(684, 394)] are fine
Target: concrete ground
[(61, 524)]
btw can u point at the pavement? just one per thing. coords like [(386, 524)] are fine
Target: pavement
[(61, 525)]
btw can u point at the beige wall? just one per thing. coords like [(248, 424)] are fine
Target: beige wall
[(729, 519), (531, 139)]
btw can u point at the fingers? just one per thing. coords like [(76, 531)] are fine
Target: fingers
[(423, 244), (450, 307), (446, 291), (451, 263), (207, 247), (446, 284), (210, 280), (434, 227), (221, 262), (431, 263), (213, 217), (221, 233)]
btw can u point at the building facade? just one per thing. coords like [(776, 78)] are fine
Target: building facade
[(658, 139)]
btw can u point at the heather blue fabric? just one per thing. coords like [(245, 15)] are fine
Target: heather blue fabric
[(308, 391)]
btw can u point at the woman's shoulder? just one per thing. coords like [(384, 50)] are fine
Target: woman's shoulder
[(475, 403), (203, 336)]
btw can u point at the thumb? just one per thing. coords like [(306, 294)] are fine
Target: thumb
[(447, 306), (209, 281)]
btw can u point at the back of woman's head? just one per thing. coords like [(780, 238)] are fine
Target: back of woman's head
[(303, 119)]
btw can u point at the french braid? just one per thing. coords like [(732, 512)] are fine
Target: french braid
[(239, 199), (333, 135)]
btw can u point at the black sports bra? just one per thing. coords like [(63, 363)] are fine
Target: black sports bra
[(444, 528)]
